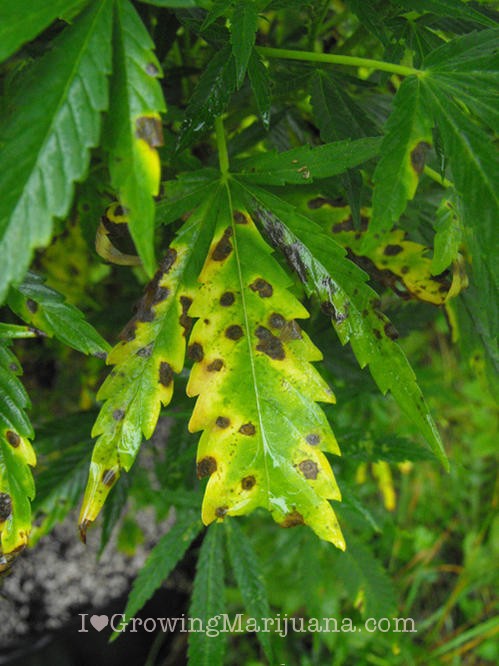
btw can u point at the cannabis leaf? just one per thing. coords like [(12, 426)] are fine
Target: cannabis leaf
[(151, 352), (16, 456), (45, 146), (263, 431)]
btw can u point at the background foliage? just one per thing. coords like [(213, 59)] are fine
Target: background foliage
[(331, 162)]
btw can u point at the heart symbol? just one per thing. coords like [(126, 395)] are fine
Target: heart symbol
[(99, 622)]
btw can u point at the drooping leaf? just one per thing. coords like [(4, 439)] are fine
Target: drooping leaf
[(45, 146), (300, 166), (243, 26), (248, 573), (46, 309), (16, 457), (260, 84), (210, 98), (399, 263), (21, 22), (208, 602), (64, 447), (162, 559), (408, 136), (151, 351), (134, 130), (263, 431), (352, 306)]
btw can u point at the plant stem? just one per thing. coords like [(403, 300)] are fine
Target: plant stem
[(223, 155), (332, 59), (431, 173)]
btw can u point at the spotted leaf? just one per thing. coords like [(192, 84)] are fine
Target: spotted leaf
[(150, 353), (16, 456), (134, 130), (264, 434)]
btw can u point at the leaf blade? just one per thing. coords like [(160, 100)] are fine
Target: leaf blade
[(244, 24)]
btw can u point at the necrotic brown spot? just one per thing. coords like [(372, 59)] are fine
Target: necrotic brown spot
[(222, 422), (276, 320), (269, 344), (184, 319), (392, 250), (149, 129), (196, 352), (309, 469), (263, 288), (377, 333), (165, 373), (227, 299), (404, 270), (206, 467), (391, 331), (248, 482), (160, 294), (418, 156), (118, 414), (220, 511), (151, 69), (239, 218), (168, 260), (108, 477), (234, 332), (13, 438), (31, 305), (346, 225), (216, 365), (293, 519), (5, 506), (224, 247), (247, 429), (145, 352), (313, 439)]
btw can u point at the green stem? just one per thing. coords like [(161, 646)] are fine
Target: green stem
[(332, 59), (223, 155), (431, 173)]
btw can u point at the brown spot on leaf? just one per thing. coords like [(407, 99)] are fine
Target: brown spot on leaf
[(263, 288), (151, 69), (206, 467), (196, 352), (392, 250), (391, 331), (248, 482), (227, 298), (222, 422), (234, 332), (118, 414), (168, 260), (404, 270), (220, 511), (313, 439), (31, 305), (145, 352), (184, 319), (216, 365), (5, 506), (224, 247), (108, 477), (165, 373), (247, 429), (346, 225), (145, 315), (418, 156), (160, 294), (150, 130), (276, 320), (291, 331), (377, 334), (293, 519), (269, 344), (239, 218), (13, 438), (309, 469), (318, 202)]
